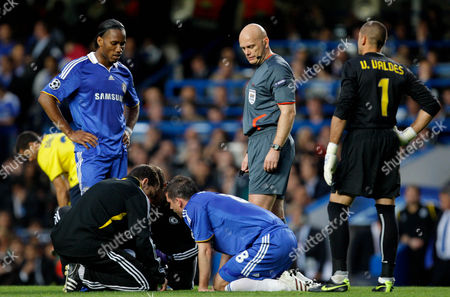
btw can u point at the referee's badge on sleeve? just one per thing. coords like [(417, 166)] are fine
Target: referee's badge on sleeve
[(251, 96)]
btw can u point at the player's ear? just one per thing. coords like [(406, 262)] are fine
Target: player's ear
[(99, 41), (144, 183), (363, 39), (30, 146)]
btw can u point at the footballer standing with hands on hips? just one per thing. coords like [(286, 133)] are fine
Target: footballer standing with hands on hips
[(103, 103), (371, 89), (269, 113)]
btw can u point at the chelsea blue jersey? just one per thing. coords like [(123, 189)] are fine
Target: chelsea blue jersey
[(232, 223), (96, 96)]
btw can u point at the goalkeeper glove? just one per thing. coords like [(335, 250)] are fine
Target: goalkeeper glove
[(330, 163), (406, 135)]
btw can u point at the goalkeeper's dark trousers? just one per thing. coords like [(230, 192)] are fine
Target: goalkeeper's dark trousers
[(180, 274), (117, 270)]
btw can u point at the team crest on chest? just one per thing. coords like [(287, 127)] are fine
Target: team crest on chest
[(173, 220), (251, 96), (124, 87)]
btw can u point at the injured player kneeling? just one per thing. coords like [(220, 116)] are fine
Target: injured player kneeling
[(255, 244)]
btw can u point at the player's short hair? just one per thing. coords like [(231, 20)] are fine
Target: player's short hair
[(145, 171), (105, 26), (415, 188), (160, 174), (446, 189), (181, 187), (24, 138), (376, 33)]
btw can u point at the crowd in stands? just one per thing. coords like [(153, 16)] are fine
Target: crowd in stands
[(28, 63)]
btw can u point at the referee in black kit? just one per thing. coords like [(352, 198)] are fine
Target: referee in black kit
[(372, 87), (105, 238)]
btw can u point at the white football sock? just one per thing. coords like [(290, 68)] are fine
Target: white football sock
[(339, 276), (247, 284)]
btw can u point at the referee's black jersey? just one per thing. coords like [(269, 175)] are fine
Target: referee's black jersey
[(170, 234), (109, 214), (372, 87)]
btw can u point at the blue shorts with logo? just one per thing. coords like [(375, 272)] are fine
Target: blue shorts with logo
[(269, 256), (92, 168)]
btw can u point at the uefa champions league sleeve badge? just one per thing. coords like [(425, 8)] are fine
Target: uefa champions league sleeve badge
[(54, 84)]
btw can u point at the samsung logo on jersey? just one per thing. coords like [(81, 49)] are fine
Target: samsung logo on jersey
[(108, 96)]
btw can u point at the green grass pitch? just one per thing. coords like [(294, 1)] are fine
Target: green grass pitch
[(48, 291)]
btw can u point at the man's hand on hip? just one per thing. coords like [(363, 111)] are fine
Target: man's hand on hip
[(84, 138), (405, 136), (330, 163)]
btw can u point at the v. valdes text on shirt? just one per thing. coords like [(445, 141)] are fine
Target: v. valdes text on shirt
[(108, 96)]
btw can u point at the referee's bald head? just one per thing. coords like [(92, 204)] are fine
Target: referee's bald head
[(254, 43), (375, 32), (253, 31)]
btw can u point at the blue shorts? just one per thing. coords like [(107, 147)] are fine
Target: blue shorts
[(92, 168), (75, 194), (268, 257)]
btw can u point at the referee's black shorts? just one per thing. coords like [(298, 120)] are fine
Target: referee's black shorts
[(369, 164)]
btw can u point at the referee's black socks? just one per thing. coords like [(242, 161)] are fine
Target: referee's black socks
[(388, 238), (339, 235)]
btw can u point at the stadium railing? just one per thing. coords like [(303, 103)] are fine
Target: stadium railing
[(317, 46), (327, 90), (173, 127)]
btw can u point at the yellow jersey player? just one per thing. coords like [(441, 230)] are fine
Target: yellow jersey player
[(55, 156)]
